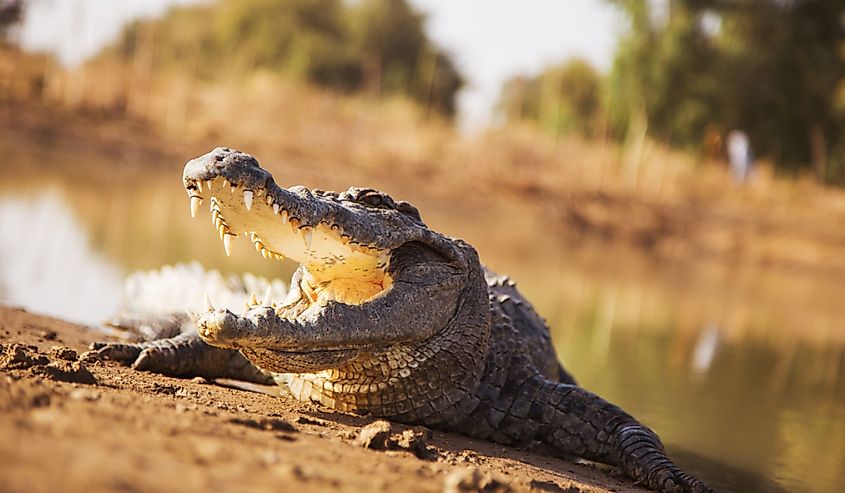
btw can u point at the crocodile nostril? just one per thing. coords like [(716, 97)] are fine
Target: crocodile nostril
[(218, 157)]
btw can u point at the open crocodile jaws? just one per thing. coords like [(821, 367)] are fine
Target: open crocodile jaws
[(346, 245), (388, 317)]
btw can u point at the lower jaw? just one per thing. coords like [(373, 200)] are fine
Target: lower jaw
[(285, 361)]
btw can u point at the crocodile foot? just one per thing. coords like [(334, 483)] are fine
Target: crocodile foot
[(184, 355)]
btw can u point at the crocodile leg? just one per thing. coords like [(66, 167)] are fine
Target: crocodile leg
[(577, 422), (184, 355)]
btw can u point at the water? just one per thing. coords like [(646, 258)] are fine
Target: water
[(741, 371)]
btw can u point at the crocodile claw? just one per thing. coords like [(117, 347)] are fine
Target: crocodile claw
[(115, 351), (185, 355)]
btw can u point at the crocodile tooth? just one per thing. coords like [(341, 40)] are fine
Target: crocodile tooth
[(267, 301), (248, 199), (258, 246), (284, 216), (208, 305), (253, 300), (208, 183), (269, 200), (227, 244), (308, 235), (264, 253), (198, 184), (196, 202), (276, 208)]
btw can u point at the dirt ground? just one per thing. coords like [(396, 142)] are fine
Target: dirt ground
[(70, 423)]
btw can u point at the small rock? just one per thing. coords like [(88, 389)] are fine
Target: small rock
[(63, 352), (305, 420), (415, 440), (84, 395), (91, 358), (66, 371), (374, 435), (20, 357), (49, 335), (167, 389), (201, 380), (552, 487), (40, 400), (472, 480), (348, 434), (270, 457), (269, 424), (298, 472), (468, 457)]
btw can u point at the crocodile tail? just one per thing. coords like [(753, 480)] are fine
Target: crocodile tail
[(576, 421)]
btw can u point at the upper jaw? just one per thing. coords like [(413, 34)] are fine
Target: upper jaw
[(240, 172), (252, 189), (296, 222), (244, 198)]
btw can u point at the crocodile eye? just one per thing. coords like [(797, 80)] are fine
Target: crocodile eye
[(373, 200)]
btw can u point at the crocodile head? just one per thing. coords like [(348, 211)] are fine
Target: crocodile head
[(353, 248)]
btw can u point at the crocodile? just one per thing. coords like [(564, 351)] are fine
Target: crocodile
[(387, 317)]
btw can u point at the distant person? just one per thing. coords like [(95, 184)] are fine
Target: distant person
[(740, 157)]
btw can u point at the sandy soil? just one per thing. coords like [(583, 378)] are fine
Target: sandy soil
[(71, 423)]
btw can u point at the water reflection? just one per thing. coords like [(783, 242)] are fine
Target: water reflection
[(747, 367), (47, 263)]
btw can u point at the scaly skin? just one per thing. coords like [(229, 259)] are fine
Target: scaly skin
[(388, 317)]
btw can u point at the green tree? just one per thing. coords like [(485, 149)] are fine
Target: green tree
[(787, 63), (304, 38), (397, 57), (664, 70), (561, 99), (331, 43), (775, 69)]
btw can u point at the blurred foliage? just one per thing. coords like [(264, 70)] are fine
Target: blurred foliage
[(11, 12), (561, 99), (397, 57), (772, 68), (374, 46)]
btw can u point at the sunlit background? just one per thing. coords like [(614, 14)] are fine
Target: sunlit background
[(663, 180)]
